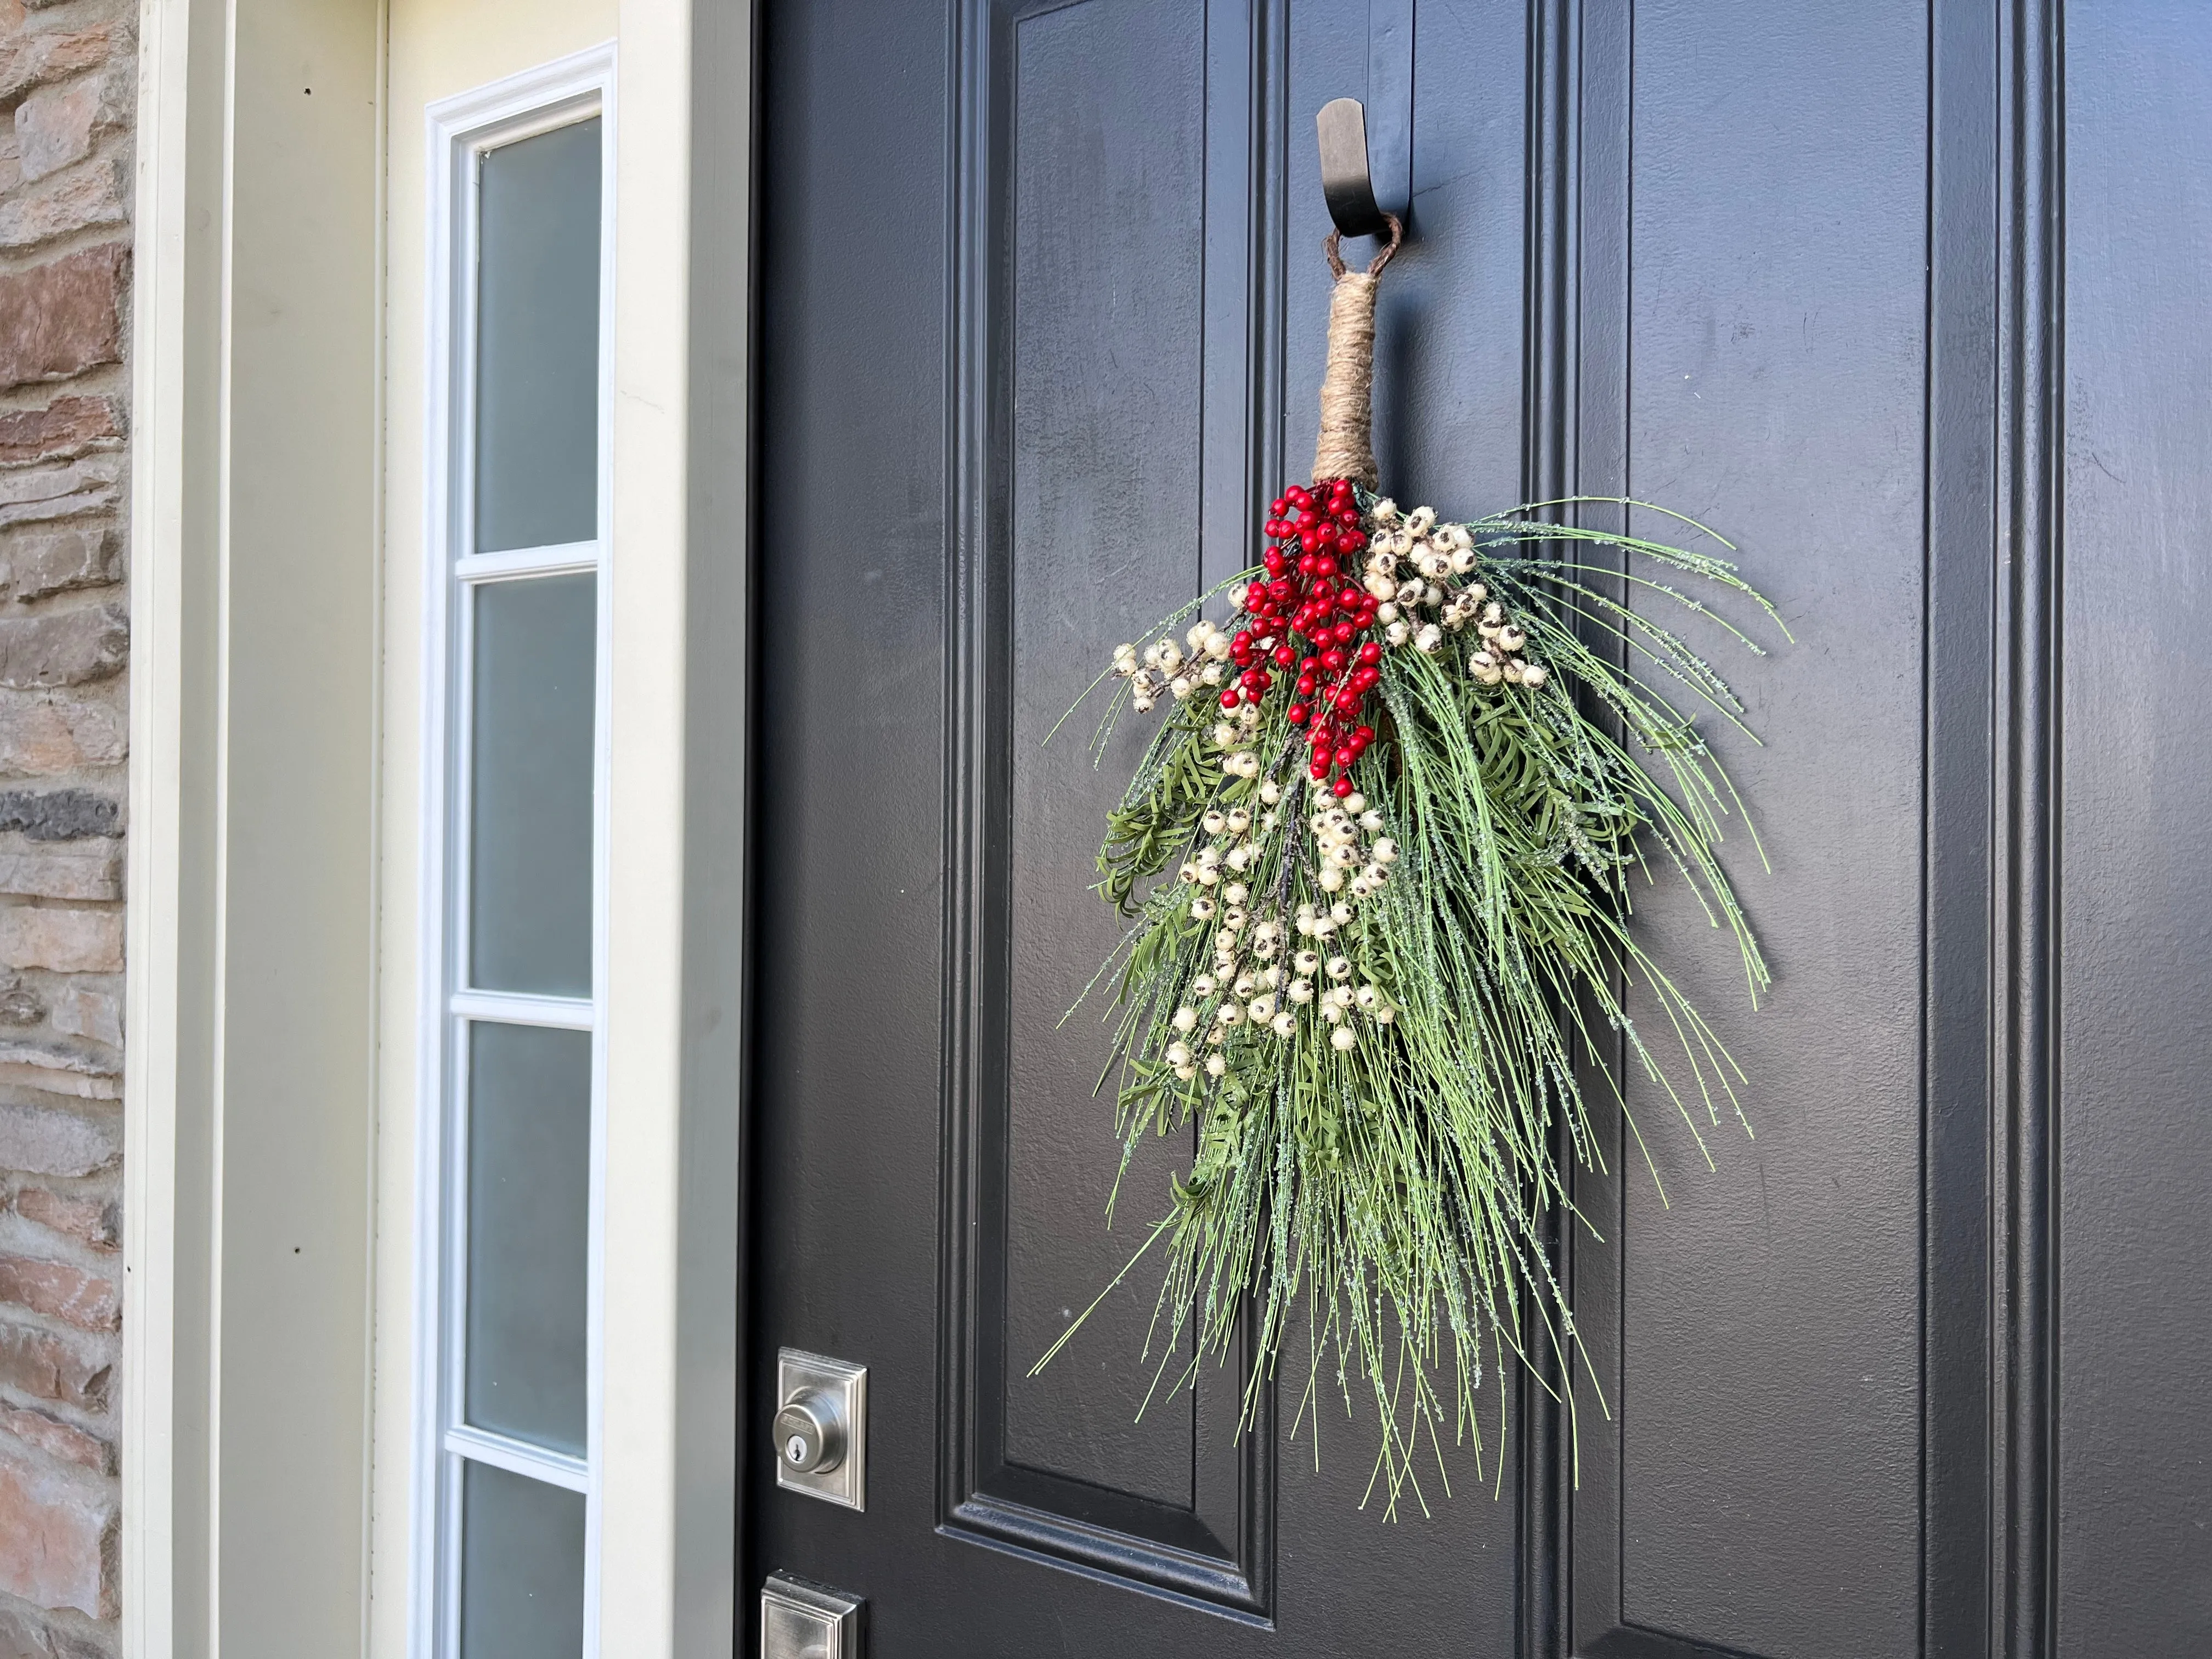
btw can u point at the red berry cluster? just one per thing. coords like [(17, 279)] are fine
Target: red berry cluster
[(1313, 592)]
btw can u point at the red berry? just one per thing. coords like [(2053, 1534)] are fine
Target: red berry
[(1296, 496), (1343, 787), (1370, 652), (1309, 539), (1275, 507), (1346, 756), (1363, 736), (1283, 656), (1333, 660), (1325, 539), (1280, 588), (1348, 600), (1350, 540), (1347, 701), (1366, 678), (1346, 632), (1229, 698), (1299, 714), (1307, 685), (1320, 770)]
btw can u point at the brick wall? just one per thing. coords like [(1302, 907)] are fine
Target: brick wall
[(67, 95)]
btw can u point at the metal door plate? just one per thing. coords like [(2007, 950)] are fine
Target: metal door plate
[(798, 1372), (801, 1620)]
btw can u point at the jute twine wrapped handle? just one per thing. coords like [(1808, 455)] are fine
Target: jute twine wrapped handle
[(1346, 447)]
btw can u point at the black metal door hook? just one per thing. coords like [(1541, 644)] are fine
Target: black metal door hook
[(1346, 184)]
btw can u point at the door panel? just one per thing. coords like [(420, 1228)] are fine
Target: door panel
[(1759, 1484), (1043, 322)]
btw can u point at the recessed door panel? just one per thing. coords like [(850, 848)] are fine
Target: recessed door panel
[(1107, 256)]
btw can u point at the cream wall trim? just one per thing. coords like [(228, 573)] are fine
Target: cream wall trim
[(248, 1101), (253, 929)]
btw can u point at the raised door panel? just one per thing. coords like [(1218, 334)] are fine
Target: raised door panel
[(2133, 661), (1756, 207)]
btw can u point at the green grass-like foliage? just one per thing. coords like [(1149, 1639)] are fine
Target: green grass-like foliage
[(1399, 1187)]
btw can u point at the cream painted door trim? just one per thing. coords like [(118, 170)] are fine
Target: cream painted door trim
[(253, 925)]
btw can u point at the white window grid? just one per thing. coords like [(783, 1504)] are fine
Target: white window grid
[(461, 131)]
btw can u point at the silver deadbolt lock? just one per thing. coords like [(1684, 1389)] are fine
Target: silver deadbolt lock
[(820, 1431), (811, 1431)]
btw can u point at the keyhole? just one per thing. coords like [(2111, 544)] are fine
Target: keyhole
[(795, 1448)]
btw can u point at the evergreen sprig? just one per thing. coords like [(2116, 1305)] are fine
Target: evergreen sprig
[(1400, 1186)]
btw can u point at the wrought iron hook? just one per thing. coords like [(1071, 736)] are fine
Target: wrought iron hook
[(1347, 183)]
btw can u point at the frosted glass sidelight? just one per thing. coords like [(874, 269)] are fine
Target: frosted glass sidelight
[(529, 1151), (529, 834), (522, 1567), (537, 341)]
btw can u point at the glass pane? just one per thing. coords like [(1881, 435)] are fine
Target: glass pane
[(522, 1567), (537, 341), (530, 891), (529, 1158)]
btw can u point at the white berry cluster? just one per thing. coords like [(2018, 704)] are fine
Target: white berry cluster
[(1246, 984), (1415, 564), (1165, 667), (1345, 864), (1235, 735)]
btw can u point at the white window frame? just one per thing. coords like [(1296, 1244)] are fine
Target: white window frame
[(460, 130)]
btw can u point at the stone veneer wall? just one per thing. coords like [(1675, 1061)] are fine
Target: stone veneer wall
[(68, 94)]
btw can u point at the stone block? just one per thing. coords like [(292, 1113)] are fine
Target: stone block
[(98, 193), (61, 1290), (81, 1010), (26, 1633), (73, 870), (58, 561), (69, 941), (31, 60), (64, 428), (63, 1442), (61, 490), (64, 317), (47, 1365), (41, 733), (63, 647), (54, 1141), (56, 1538), (59, 125), (56, 1069), (60, 814), (90, 1220)]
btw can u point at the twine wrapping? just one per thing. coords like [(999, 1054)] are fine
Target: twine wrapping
[(1345, 448)]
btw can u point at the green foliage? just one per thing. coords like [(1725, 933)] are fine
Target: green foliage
[(1401, 1186)]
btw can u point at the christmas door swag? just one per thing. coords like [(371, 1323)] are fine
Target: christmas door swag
[(1378, 858)]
